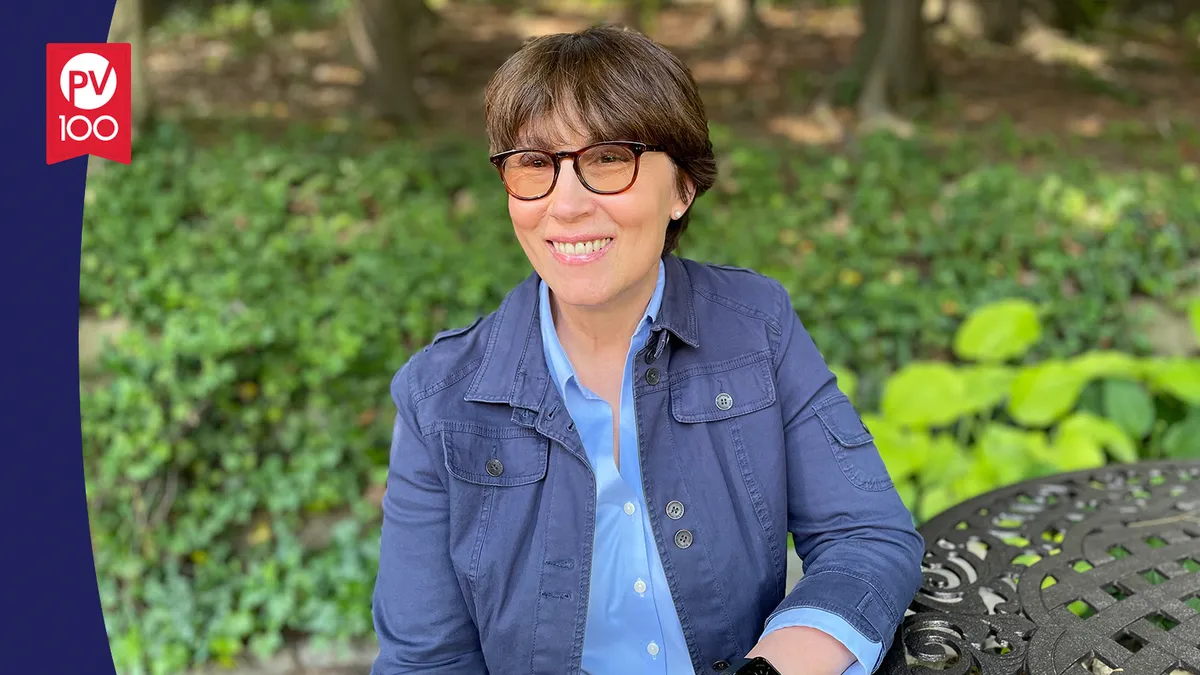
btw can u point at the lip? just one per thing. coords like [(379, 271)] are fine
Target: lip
[(578, 259)]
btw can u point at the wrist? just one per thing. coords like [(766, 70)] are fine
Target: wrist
[(757, 665)]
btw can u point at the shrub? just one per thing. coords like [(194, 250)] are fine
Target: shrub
[(236, 436), (950, 432)]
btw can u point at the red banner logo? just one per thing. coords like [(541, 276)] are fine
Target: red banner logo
[(89, 107)]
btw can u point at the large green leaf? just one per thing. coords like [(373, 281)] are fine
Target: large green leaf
[(1127, 404), (1100, 363), (986, 387), (1007, 452), (1182, 439), (976, 481), (947, 461), (847, 381), (935, 500), (1075, 451), (925, 394), (1179, 377), (1104, 432), (1043, 393), (904, 451), (999, 331)]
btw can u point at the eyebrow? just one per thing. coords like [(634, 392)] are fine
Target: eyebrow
[(546, 143)]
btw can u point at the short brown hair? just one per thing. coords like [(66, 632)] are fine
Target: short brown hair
[(620, 85)]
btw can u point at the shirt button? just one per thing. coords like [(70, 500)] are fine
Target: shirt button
[(652, 648), (674, 510), (639, 586), (652, 376), (724, 401), (629, 508)]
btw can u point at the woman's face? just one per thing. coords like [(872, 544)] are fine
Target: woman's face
[(599, 250)]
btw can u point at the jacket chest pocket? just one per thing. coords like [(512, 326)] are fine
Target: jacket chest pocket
[(723, 390), (495, 457)]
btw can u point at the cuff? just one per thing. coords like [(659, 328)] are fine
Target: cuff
[(866, 652)]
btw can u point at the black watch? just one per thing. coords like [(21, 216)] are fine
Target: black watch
[(755, 666)]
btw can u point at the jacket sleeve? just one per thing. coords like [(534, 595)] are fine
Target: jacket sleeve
[(420, 614), (861, 553)]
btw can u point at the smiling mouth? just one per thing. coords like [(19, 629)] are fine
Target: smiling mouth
[(582, 247)]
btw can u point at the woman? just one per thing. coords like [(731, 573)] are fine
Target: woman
[(600, 476)]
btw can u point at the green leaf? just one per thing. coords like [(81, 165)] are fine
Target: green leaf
[(947, 461), (908, 494), (1043, 393), (1098, 364), (999, 331), (1075, 452), (1182, 439), (903, 451), (1101, 431), (847, 381), (1128, 404), (1177, 376), (1194, 317), (1007, 452), (934, 501), (925, 394), (975, 482), (986, 387)]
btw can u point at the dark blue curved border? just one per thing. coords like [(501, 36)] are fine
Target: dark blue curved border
[(49, 601)]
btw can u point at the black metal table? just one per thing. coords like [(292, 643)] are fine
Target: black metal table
[(1076, 574)]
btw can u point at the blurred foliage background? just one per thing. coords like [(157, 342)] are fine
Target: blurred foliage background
[(987, 214)]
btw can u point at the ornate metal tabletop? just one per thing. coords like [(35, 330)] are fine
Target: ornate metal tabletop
[(1084, 573)]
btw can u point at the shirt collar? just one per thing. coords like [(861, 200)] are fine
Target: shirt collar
[(561, 370), (513, 369)]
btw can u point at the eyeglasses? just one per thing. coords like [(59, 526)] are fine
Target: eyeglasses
[(606, 168)]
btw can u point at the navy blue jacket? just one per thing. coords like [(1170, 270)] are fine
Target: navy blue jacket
[(489, 511)]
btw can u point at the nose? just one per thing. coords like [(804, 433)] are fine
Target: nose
[(570, 200)]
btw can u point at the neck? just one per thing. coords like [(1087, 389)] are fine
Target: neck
[(605, 329)]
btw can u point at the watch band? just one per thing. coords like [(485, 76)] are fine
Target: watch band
[(755, 666)]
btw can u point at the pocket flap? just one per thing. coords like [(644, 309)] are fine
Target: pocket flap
[(479, 456), (723, 390), (841, 420)]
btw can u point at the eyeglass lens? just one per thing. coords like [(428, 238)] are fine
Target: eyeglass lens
[(604, 168)]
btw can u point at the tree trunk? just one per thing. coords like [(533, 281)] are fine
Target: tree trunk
[(892, 59), (1073, 16), (736, 17), (386, 35), (1002, 21), (128, 25)]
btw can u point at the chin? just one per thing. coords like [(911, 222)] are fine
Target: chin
[(581, 292)]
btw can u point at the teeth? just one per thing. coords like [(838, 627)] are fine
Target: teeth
[(583, 247)]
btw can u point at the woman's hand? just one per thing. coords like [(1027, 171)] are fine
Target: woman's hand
[(800, 650)]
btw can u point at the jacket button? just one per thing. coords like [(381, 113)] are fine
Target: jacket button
[(495, 467), (652, 376), (683, 538), (720, 665), (724, 401), (674, 510)]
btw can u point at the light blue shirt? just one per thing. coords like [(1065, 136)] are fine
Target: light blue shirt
[(632, 625)]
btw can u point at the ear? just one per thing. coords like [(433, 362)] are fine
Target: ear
[(684, 199)]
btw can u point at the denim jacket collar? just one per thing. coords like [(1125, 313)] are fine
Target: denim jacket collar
[(513, 369)]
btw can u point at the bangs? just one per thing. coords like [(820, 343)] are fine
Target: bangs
[(563, 85)]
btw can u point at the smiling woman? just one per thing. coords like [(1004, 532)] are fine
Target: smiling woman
[(601, 476)]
